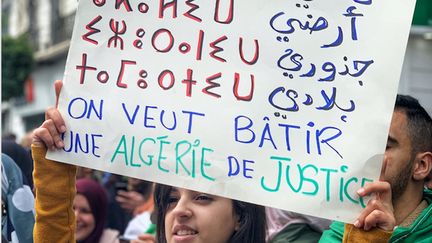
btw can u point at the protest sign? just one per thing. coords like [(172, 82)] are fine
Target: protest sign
[(280, 103)]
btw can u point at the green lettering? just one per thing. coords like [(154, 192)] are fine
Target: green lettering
[(179, 157), (289, 181), (328, 181), (132, 153), (122, 143), (279, 159), (149, 156), (160, 157), (313, 193), (346, 190), (204, 163)]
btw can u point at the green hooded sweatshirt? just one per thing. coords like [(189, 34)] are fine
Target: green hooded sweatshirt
[(419, 231)]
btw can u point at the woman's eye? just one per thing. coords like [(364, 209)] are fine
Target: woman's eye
[(86, 211), (172, 200), (82, 210), (203, 198)]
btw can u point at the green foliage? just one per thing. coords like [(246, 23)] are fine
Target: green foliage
[(17, 63)]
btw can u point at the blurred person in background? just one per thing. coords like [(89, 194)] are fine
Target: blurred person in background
[(17, 204), (118, 218), (91, 208), (84, 172), (9, 137), (137, 199), (21, 157), (128, 198), (286, 226)]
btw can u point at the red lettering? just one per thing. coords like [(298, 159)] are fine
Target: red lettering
[(236, 88), (212, 85), (125, 3), (103, 76), (184, 47), (217, 49), (256, 54), (193, 7), (120, 83), (114, 25), (170, 43), (140, 34), (162, 77), (92, 30), (163, 6), (83, 68), (230, 14), (99, 3), (189, 82), (200, 45), (142, 83), (143, 7)]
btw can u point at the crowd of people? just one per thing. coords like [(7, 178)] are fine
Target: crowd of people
[(66, 203)]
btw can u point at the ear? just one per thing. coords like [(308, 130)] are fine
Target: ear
[(423, 167)]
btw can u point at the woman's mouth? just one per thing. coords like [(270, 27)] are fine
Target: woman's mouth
[(185, 232)]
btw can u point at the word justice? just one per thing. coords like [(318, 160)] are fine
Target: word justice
[(166, 79), (335, 183)]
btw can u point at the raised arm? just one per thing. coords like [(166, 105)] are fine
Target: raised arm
[(54, 182)]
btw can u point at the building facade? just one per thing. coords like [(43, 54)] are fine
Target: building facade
[(49, 24)]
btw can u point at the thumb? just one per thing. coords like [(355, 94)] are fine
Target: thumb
[(58, 84)]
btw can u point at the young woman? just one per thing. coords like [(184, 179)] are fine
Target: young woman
[(183, 215), (191, 216)]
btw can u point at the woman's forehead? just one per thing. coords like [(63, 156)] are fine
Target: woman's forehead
[(181, 190)]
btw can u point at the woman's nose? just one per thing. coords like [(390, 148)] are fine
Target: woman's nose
[(182, 209)]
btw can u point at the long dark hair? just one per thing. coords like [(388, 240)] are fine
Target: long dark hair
[(252, 218)]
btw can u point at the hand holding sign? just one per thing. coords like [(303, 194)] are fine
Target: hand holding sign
[(379, 210), (48, 134)]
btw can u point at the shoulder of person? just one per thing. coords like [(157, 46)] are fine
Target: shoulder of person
[(334, 233)]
